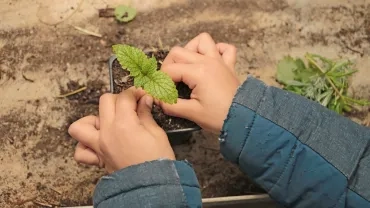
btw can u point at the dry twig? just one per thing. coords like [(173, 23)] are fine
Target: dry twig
[(42, 204), (72, 93), (27, 79), (88, 32), (56, 191)]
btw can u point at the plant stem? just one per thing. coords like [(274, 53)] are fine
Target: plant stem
[(326, 77)]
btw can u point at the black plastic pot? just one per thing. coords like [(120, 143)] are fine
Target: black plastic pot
[(178, 136)]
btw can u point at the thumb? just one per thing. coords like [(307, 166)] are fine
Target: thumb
[(184, 108), (144, 112)]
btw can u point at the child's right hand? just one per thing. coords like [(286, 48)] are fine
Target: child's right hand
[(208, 69)]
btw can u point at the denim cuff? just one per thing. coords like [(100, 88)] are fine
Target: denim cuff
[(240, 118), (160, 181)]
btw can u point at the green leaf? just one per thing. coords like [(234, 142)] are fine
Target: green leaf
[(325, 98), (285, 70), (144, 70), (160, 86), (300, 64), (124, 13), (305, 76), (134, 60)]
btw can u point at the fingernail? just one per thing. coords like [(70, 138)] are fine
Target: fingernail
[(149, 101)]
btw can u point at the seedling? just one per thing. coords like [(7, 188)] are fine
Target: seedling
[(145, 72), (124, 13), (322, 80)]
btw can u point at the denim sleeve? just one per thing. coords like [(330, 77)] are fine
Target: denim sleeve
[(155, 184), (301, 153)]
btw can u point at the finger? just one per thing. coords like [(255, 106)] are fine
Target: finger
[(140, 92), (97, 123), (84, 131), (182, 55), (184, 108), (144, 112), (228, 53), (107, 109), (126, 106), (187, 73), (203, 44), (85, 155)]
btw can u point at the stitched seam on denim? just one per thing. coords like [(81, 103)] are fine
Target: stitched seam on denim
[(250, 128), (246, 137), (135, 189), (285, 165), (297, 138), (185, 201), (189, 165), (350, 179), (231, 106)]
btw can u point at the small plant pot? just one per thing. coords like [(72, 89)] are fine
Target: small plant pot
[(178, 130)]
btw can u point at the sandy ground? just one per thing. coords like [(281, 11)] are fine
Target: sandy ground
[(43, 56)]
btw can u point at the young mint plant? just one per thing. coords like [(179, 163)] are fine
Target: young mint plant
[(144, 71)]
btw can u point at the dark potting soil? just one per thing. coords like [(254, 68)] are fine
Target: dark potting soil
[(122, 81)]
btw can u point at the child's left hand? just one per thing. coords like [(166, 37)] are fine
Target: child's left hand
[(124, 134)]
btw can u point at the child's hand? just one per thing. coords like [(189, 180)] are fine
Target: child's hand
[(125, 133), (208, 69)]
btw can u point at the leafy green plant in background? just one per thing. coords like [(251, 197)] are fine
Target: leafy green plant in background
[(321, 79), (146, 74), (124, 13)]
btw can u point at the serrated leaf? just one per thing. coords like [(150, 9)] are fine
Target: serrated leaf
[(140, 81), (134, 60), (144, 70), (124, 13), (285, 70), (161, 86), (300, 64)]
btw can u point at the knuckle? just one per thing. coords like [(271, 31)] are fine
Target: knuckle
[(77, 157), (166, 110), (105, 97), (205, 35), (232, 48), (175, 50), (165, 67), (104, 145), (142, 112)]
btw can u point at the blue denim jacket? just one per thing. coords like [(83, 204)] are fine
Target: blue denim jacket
[(301, 153)]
